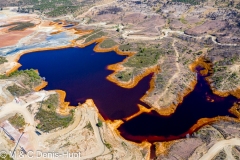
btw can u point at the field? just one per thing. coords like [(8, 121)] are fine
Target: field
[(17, 121), (108, 43), (48, 117), (19, 26)]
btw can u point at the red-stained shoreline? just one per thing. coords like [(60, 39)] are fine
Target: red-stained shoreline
[(115, 68)]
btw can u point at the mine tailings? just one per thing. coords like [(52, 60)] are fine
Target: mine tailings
[(82, 73)]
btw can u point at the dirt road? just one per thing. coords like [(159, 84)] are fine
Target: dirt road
[(219, 146)]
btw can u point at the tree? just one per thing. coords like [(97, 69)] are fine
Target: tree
[(99, 124)]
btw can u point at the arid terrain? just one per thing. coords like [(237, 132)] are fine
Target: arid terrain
[(169, 39)]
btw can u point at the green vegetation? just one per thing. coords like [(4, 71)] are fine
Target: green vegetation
[(89, 126), (19, 26), (3, 60), (86, 35), (99, 124), (95, 36), (22, 26), (31, 77), (16, 90), (62, 10), (221, 155), (17, 121), (109, 146), (183, 20), (30, 73), (50, 120), (55, 8), (144, 152), (124, 75), (193, 2), (125, 47), (48, 117), (199, 53), (144, 58), (108, 43), (6, 158), (51, 103), (200, 23)]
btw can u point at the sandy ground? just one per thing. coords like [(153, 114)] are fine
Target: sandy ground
[(225, 144)]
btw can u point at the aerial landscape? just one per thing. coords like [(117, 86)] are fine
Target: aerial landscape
[(120, 79)]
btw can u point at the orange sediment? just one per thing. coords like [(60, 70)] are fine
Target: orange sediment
[(166, 111), (208, 69), (56, 32), (163, 147), (64, 106), (13, 69), (235, 93), (41, 49), (142, 109), (235, 110), (116, 124), (117, 67), (131, 83), (200, 62), (204, 121), (41, 86), (78, 31)]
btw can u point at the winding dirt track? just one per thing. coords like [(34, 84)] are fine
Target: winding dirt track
[(219, 146)]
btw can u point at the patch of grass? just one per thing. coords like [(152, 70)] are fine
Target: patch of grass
[(22, 26), (144, 152), (124, 75), (86, 35), (51, 103), (95, 36), (109, 146), (3, 60), (183, 20), (51, 120), (17, 121), (6, 158), (15, 90), (99, 124), (11, 24), (18, 26), (31, 79), (55, 8), (30, 73), (48, 117), (62, 10), (221, 155), (193, 2), (200, 23), (144, 58), (125, 47), (89, 126), (108, 43)]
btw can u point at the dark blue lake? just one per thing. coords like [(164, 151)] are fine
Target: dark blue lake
[(82, 74)]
